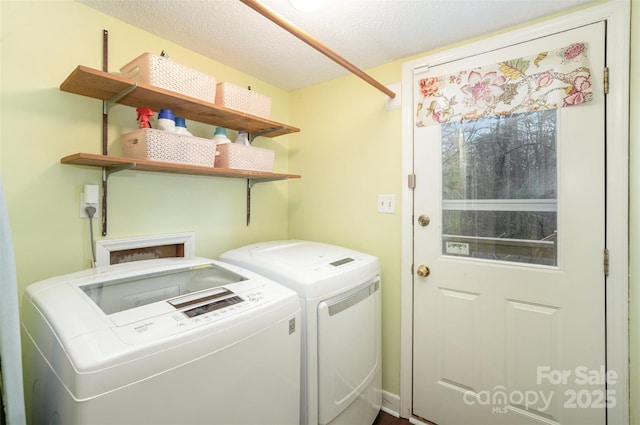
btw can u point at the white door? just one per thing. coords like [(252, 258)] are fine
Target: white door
[(509, 325)]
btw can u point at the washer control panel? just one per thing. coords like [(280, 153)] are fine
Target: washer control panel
[(213, 306), (191, 312)]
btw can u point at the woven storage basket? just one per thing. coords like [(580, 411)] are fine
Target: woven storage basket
[(163, 72), (238, 98), (242, 157), (159, 145)]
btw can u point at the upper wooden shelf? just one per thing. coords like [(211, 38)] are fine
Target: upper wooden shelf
[(118, 163), (104, 86)]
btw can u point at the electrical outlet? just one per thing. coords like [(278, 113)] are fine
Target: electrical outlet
[(387, 204), (83, 205)]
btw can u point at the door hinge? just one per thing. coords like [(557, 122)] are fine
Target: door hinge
[(412, 181), (606, 80), (606, 262)]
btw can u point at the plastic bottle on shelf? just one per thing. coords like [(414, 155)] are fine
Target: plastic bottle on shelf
[(242, 138), (166, 120), (181, 127), (220, 136)]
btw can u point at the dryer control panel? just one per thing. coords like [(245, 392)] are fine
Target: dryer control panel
[(331, 265)]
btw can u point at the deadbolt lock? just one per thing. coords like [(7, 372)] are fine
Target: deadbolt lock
[(423, 271), (424, 220)]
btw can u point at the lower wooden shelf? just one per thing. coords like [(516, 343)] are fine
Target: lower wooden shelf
[(112, 163)]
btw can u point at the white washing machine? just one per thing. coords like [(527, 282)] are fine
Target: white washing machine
[(340, 294), (166, 341)]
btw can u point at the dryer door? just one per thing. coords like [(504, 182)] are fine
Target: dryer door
[(349, 353)]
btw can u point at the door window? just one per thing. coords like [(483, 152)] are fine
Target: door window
[(499, 190)]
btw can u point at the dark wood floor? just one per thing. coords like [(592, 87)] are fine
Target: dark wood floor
[(387, 419)]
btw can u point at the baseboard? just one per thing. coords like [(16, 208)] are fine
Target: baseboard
[(391, 404)]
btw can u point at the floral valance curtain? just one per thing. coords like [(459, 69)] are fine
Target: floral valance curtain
[(548, 80)]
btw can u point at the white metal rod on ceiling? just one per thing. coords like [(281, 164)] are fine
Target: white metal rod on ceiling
[(311, 41)]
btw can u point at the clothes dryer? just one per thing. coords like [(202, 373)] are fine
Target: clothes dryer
[(167, 341), (340, 294)]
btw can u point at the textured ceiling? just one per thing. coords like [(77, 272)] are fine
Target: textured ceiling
[(365, 32)]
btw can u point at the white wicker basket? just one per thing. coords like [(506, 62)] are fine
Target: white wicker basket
[(242, 157), (159, 145), (163, 72), (235, 97)]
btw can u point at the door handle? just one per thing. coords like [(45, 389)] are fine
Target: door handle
[(423, 271), (424, 220)]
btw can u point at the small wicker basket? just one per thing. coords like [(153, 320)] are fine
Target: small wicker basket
[(235, 97), (242, 157), (159, 145), (163, 72)]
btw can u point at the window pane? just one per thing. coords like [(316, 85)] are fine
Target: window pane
[(499, 188)]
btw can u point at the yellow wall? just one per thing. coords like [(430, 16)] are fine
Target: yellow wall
[(349, 150), (42, 42)]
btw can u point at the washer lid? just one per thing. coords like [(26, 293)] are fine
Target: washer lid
[(131, 292), (310, 268)]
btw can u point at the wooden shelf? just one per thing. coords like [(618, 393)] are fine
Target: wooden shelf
[(111, 88), (113, 163), (104, 86)]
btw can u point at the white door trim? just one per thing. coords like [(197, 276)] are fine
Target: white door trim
[(617, 14)]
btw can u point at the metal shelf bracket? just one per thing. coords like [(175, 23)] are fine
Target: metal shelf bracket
[(250, 184), (255, 134), (108, 103), (106, 172)]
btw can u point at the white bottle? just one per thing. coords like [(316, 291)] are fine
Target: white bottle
[(242, 138), (220, 136), (166, 120), (181, 127)]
